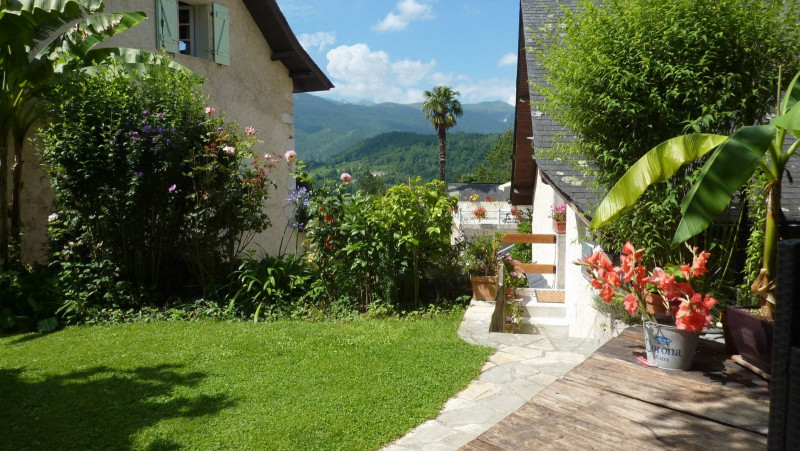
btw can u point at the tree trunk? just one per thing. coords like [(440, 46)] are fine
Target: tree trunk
[(771, 241), (3, 200), (442, 152), (15, 235)]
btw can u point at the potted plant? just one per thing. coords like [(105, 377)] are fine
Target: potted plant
[(479, 213), (671, 338), (733, 161), (481, 257), (559, 215), (514, 276)]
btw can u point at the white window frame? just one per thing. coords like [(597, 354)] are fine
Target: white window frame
[(192, 23)]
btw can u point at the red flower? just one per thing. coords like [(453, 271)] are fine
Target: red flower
[(631, 304), (607, 293), (699, 264), (328, 218), (686, 271)]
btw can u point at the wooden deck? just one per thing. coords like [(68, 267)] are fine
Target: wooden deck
[(612, 402)]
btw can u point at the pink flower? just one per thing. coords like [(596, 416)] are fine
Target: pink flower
[(290, 156), (249, 131), (53, 217), (229, 150), (173, 188), (210, 110), (346, 178), (631, 304)]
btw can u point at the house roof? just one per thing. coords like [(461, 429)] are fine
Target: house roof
[(499, 192), (560, 172), (304, 72)]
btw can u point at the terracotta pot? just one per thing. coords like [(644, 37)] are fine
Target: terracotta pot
[(560, 227), (511, 293), (484, 288), (655, 304), (750, 336)]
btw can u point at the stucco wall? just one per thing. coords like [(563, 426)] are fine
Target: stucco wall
[(254, 90), (543, 198)]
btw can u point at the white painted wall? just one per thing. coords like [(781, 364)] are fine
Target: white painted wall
[(544, 197)]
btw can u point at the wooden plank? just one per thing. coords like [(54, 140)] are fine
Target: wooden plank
[(662, 388), (570, 415), (535, 268), (478, 445), (529, 238), (711, 363)]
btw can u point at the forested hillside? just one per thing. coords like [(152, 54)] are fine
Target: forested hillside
[(396, 156), (324, 128)]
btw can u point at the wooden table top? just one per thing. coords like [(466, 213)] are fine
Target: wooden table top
[(612, 402)]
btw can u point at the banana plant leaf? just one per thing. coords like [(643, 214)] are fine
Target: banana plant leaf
[(658, 164), (790, 121), (792, 95), (730, 167)]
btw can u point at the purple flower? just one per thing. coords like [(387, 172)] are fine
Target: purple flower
[(112, 142), (145, 113), (133, 138), (147, 129), (135, 134), (168, 140), (219, 129), (156, 138), (173, 188), (139, 174), (159, 114)]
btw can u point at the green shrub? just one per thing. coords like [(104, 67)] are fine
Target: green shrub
[(482, 255), (272, 287), (156, 195), (377, 249)]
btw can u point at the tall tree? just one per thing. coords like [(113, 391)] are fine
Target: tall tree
[(36, 48), (441, 108)]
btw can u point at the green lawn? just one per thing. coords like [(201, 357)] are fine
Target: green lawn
[(284, 385)]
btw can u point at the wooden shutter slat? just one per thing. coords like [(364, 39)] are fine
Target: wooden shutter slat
[(167, 25), (222, 39)]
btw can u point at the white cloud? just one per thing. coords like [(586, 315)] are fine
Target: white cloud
[(318, 40), (360, 73), (406, 12), (509, 59)]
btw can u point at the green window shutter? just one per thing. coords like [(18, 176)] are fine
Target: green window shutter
[(222, 37), (167, 25)]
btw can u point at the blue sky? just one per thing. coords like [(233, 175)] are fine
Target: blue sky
[(393, 50)]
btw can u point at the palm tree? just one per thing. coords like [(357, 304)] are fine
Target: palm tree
[(442, 108), (36, 47)]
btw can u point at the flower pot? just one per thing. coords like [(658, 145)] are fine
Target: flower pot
[(668, 347), (484, 288), (655, 304), (560, 227), (750, 336), (511, 293)]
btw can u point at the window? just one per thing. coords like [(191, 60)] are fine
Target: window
[(200, 30), (186, 29)]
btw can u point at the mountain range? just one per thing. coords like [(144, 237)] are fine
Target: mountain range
[(324, 128)]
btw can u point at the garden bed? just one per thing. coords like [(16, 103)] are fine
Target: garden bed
[(303, 385)]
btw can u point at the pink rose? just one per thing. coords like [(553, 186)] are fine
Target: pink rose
[(346, 178), (249, 131), (229, 150), (210, 110), (290, 156)]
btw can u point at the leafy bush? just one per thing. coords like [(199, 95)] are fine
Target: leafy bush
[(271, 287), (650, 70), (28, 299), (156, 194), (369, 250), (482, 254)]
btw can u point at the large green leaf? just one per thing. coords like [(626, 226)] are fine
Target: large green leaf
[(58, 6), (86, 34), (790, 121), (730, 167), (792, 95), (658, 164), (134, 60)]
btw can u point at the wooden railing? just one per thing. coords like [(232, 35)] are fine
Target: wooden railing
[(533, 238)]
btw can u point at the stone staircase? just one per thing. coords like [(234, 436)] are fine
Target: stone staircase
[(541, 318)]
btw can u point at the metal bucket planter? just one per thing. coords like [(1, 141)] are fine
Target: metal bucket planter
[(669, 347)]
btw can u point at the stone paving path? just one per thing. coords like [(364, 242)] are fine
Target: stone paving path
[(522, 366)]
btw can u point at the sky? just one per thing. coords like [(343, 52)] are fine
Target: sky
[(394, 50)]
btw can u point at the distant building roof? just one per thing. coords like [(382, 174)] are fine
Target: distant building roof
[(500, 192), (304, 72)]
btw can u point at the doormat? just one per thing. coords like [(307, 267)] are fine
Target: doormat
[(550, 296)]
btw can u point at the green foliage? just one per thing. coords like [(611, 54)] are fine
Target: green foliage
[(155, 198), (28, 299), (650, 70), (399, 156), (482, 255), (371, 249), (219, 385), (497, 167), (371, 184), (271, 287)]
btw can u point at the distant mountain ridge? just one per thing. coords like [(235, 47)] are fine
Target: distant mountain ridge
[(324, 128)]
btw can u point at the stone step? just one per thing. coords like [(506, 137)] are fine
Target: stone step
[(550, 327), (543, 310)]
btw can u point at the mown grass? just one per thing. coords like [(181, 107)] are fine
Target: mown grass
[(215, 385)]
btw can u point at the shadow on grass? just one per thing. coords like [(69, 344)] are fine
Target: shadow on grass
[(98, 407)]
